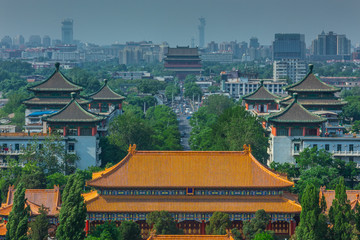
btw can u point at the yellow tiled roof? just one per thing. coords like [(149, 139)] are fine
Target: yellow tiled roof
[(191, 204), (188, 169), (190, 237)]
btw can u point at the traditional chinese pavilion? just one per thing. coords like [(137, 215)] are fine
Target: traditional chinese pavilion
[(51, 95), (183, 61), (314, 94), (191, 185), (295, 120), (261, 100)]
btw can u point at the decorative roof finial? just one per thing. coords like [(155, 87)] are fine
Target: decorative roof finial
[(295, 96), (261, 82), (105, 81), (57, 66), (132, 149), (311, 67), (247, 148), (73, 95)]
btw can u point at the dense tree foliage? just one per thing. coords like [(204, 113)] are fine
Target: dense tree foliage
[(319, 168), (313, 225), (340, 214), (256, 225), (171, 91), (228, 131), (219, 223), (263, 236), (73, 211), (107, 230), (130, 230), (17, 225), (163, 223), (39, 226)]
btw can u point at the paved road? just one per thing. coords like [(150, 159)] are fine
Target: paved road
[(185, 130)]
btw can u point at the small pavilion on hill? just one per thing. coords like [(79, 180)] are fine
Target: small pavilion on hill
[(314, 94), (261, 100), (191, 185), (295, 120), (352, 195), (105, 100)]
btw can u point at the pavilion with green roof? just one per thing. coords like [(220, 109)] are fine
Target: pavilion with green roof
[(261, 100), (314, 94), (295, 120)]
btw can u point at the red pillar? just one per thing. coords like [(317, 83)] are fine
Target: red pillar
[(269, 226), (292, 226), (304, 131), (317, 132), (277, 106), (246, 106), (202, 228), (78, 131), (289, 131), (120, 106), (87, 227), (64, 133), (267, 107), (93, 131), (49, 130), (99, 107)]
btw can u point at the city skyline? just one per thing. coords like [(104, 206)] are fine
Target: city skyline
[(177, 22)]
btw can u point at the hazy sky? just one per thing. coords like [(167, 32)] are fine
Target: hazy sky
[(176, 21)]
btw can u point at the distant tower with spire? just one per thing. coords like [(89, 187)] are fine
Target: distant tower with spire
[(201, 28)]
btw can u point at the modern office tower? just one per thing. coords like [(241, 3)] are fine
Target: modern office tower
[(294, 69), (67, 31), (201, 28), (6, 42), (34, 41), (19, 40), (46, 41), (212, 47), (330, 46), (289, 45), (254, 42)]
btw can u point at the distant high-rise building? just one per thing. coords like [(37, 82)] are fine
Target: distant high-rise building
[(19, 40), (254, 42), (46, 41), (330, 46), (6, 42), (202, 32), (67, 31), (293, 69), (289, 45), (34, 41), (212, 47)]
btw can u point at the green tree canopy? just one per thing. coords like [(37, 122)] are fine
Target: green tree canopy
[(219, 222), (130, 230), (263, 236), (73, 211), (39, 227), (340, 214), (112, 232), (312, 224), (163, 223), (256, 225), (17, 226)]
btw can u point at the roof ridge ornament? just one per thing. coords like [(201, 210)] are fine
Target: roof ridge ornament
[(247, 148), (311, 67), (57, 66), (132, 149), (295, 95), (261, 82)]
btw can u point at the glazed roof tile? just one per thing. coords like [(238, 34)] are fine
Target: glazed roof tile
[(106, 93), (50, 198), (262, 93), (188, 169), (190, 237), (309, 102), (73, 112), (311, 83), (191, 204), (53, 101), (56, 82), (295, 113)]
